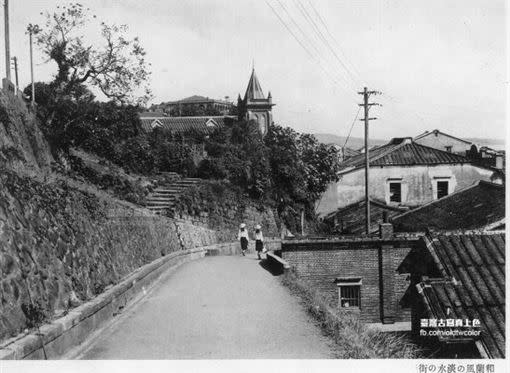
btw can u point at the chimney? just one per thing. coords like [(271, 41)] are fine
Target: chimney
[(499, 161), (386, 231)]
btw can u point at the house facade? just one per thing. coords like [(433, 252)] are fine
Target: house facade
[(402, 173)]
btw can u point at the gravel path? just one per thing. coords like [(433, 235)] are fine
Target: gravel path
[(223, 307)]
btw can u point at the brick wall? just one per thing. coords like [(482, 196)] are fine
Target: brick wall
[(376, 261)]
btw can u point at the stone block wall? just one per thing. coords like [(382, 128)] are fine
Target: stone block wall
[(60, 246), (375, 261), (219, 206)]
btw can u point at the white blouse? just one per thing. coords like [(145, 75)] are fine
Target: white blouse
[(243, 234), (259, 236)]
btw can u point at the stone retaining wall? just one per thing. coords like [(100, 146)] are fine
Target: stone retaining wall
[(60, 247)]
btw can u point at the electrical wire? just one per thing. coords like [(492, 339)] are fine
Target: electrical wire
[(310, 54), (352, 126)]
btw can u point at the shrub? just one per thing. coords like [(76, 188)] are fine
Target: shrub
[(353, 339)]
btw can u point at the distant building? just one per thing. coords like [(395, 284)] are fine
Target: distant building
[(483, 155), (459, 277), (480, 206), (442, 141), (255, 106), (403, 173), (344, 152), (194, 104)]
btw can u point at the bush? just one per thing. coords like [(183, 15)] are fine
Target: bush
[(353, 339)]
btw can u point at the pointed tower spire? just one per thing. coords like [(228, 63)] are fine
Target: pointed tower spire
[(254, 91)]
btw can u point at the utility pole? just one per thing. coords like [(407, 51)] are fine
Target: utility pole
[(32, 30), (366, 105), (7, 44), (15, 62)]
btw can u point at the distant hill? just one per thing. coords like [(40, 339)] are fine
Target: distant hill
[(492, 143), (358, 143), (353, 143)]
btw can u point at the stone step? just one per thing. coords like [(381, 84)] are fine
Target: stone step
[(159, 204), (176, 189), (163, 196)]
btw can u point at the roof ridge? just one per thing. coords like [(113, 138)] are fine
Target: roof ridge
[(443, 133)]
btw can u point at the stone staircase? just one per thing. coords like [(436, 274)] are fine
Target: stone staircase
[(163, 198)]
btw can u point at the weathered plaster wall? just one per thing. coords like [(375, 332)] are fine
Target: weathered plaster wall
[(418, 185)]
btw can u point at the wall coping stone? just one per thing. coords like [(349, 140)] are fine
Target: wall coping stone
[(22, 347)]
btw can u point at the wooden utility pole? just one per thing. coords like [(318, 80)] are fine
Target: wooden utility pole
[(32, 30), (15, 61), (366, 105), (7, 44), (32, 68)]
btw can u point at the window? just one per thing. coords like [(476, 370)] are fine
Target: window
[(448, 149), (395, 192), (349, 292), (442, 189)]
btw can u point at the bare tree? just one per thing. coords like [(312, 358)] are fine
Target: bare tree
[(118, 68)]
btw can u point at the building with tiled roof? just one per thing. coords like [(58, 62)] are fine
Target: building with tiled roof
[(204, 125), (403, 173), (460, 277), (194, 103), (480, 206), (443, 141)]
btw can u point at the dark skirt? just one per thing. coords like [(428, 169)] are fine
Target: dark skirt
[(244, 243), (259, 245)]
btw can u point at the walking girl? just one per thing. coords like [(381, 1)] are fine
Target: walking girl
[(259, 240), (243, 238)]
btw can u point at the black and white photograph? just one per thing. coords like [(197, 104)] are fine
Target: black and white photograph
[(274, 184)]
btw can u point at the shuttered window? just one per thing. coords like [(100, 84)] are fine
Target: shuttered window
[(395, 192), (442, 189)]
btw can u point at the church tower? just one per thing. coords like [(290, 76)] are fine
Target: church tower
[(255, 106)]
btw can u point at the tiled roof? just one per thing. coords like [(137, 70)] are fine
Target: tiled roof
[(185, 124), (351, 218), (348, 152), (254, 91), (475, 207), (473, 284), (403, 151)]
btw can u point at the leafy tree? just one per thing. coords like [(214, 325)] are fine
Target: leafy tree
[(117, 68)]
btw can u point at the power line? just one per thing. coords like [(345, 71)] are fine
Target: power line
[(308, 39), (303, 46), (322, 38), (325, 26), (352, 126)]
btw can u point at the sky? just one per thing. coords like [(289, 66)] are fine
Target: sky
[(438, 64)]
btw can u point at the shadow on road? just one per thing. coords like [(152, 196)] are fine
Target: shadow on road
[(274, 270)]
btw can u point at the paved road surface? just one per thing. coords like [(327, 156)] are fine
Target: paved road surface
[(223, 307)]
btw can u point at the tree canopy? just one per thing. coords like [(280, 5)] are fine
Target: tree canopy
[(118, 68)]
